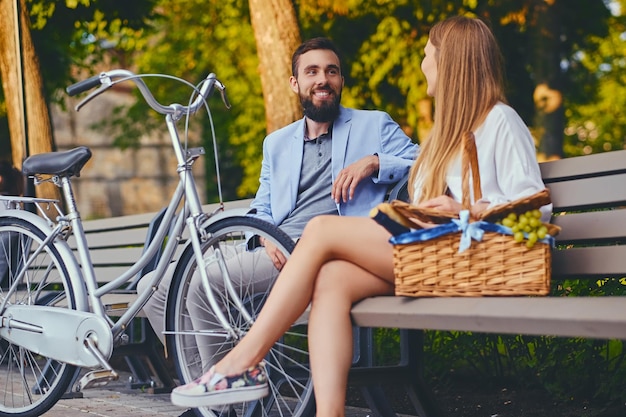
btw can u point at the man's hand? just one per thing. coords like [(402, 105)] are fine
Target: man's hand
[(274, 253), (349, 177)]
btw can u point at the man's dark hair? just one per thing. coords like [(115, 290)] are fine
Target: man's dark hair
[(311, 45)]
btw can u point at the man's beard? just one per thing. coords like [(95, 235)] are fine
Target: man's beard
[(327, 111)]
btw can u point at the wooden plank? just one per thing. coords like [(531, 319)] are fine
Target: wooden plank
[(117, 238), (106, 274), (115, 256), (209, 208), (583, 166), (589, 192), (119, 222), (591, 227), (131, 230), (592, 317), (600, 261)]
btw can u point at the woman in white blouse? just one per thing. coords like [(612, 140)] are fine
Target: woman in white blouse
[(341, 260)]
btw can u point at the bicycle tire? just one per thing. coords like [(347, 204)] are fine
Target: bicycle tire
[(31, 384), (291, 388)]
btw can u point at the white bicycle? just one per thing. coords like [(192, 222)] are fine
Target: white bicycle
[(52, 318)]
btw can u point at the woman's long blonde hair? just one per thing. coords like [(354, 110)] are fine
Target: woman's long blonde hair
[(469, 83)]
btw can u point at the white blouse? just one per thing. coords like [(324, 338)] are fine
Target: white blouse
[(507, 161)]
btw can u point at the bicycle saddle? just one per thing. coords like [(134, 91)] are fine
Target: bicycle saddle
[(65, 163)]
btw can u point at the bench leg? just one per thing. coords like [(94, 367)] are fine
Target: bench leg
[(407, 373), (146, 360)]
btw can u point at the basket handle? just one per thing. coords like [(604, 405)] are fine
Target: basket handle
[(469, 165)]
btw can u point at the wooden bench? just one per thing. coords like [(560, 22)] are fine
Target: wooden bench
[(589, 198)]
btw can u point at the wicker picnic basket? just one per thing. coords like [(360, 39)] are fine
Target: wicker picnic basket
[(497, 265)]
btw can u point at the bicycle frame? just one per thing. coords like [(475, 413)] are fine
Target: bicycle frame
[(176, 219)]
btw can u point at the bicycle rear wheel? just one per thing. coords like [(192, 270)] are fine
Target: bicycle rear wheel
[(197, 340), (30, 384)]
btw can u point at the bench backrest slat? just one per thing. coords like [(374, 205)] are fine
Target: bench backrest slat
[(592, 227), (589, 198), (589, 262), (115, 256), (114, 238), (116, 243), (577, 194), (122, 222), (584, 166)]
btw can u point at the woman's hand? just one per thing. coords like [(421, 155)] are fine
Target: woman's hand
[(442, 203), (478, 208), (274, 253), (448, 204)]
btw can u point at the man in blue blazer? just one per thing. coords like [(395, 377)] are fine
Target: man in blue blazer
[(356, 135), (335, 160)]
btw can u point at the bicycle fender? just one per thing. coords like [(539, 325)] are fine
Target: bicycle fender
[(234, 212), (74, 271)]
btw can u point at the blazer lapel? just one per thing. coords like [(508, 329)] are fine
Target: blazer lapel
[(341, 132), (296, 153)]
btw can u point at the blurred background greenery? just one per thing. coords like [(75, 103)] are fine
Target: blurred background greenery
[(564, 59)]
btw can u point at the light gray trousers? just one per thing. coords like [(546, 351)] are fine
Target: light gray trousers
[(252, 269)]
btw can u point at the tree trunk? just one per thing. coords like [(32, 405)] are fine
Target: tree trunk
[(277, 36), (29, 120)]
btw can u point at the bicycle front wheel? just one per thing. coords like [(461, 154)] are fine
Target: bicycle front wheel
[(30, 384), (196, 338)]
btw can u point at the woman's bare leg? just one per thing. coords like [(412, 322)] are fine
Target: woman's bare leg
[(339, 284), (355, 240)]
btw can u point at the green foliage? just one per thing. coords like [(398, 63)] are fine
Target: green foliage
[(596, 122), (382, 43), (384, 40), (189, 40), (78, 33), (580, 369), (74, 34), (571, 368)]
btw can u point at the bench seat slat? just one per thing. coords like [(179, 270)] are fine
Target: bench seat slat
[(593, 317)]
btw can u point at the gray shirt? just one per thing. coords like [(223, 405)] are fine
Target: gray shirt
[(314, 187)]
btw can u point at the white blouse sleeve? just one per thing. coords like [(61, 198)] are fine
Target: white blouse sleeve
[(507, 158)]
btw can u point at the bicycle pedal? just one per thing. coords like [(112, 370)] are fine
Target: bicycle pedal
[(96, 378)]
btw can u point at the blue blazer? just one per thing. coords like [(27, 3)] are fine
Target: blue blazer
[(356, 134)]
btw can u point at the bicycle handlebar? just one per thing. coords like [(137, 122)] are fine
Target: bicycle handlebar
[(107, 79), (83, 85)]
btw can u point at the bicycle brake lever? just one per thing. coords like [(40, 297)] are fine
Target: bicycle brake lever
[(106, 84), (222, 89)]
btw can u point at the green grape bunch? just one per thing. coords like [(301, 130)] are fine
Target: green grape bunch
[(527, 226)]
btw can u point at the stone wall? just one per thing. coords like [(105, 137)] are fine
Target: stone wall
[(118, 182)]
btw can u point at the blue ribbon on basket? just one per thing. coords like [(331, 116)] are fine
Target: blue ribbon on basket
[(469, 230)]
